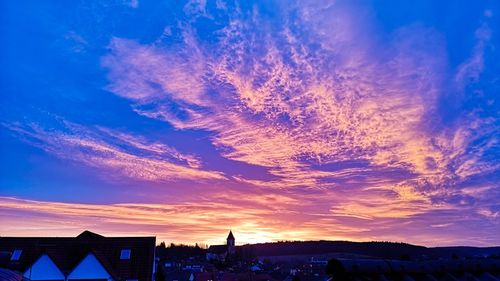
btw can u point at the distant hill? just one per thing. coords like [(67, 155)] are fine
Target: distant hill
[(387, 250)]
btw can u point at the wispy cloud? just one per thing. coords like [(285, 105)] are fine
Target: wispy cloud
[(468, 72), (129, 155)]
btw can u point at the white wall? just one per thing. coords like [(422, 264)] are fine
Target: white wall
[(44, 269), (89, 268)]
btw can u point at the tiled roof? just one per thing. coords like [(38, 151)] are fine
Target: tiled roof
[(67, 252)]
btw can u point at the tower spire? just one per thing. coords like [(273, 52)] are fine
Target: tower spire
[(230, 243)]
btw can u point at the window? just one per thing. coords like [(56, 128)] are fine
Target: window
[(125, 254), (16, 255)]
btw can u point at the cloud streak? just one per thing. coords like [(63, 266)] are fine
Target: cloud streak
[(130, 156)]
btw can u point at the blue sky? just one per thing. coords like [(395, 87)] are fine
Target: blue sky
[(360, 120)]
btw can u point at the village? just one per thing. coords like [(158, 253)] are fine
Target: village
[(228, 262)]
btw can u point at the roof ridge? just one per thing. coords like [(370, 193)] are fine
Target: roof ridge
[(89, 234)]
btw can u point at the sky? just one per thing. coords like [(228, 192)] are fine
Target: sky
[(281, 120)]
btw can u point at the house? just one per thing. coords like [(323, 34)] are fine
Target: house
[(89, 256), (221, 252)]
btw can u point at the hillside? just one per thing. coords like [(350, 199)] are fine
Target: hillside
[(388, 250)]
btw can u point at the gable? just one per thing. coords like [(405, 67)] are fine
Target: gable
[(89, 268), (44, 268)]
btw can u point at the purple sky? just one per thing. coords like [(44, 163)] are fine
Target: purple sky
[(280, 120)]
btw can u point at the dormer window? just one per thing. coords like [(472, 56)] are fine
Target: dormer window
[(125, 254), (16, 255)]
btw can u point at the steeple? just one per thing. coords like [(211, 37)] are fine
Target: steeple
[(230, 243), (230, 236)]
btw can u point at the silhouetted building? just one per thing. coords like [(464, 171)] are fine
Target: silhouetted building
[(230, 241), (221, 252), (88, 256)]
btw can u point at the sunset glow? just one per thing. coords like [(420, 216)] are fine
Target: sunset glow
[(280, 120)]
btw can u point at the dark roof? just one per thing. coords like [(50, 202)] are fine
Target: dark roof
[(9, 275), (230, 236), (444, 269), (217, 249), (68, 252)]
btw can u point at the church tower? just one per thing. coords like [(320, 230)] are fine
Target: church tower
[(230, 243)]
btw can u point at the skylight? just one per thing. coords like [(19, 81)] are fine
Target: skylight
[(125, 254), (16, 255)]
